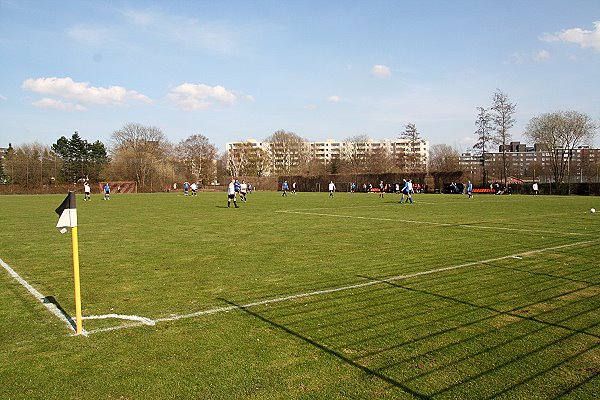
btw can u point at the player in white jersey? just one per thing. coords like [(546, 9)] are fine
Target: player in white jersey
[(243, 190), (406, 191), (231, 194), (87, 190)]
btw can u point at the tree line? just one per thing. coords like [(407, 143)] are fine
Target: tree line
[(557, 134), (144, 154), (135, 152)]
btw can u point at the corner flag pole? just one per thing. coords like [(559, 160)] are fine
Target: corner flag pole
[(78, 317), (67, 212)]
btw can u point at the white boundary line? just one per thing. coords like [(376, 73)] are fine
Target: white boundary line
[(436, 223), (340, 289), (41, 298), (59, 313), (144, 321)]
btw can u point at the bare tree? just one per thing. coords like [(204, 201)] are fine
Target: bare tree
[(198, 156), (443, 158), (380, 161), (248, 159), (559, 133), (484, 137), (288, 152), (29, 165), (354, 154), (502, 119), (235, 162), (136, 148)]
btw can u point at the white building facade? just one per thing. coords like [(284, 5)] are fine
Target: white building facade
[(331, 149)]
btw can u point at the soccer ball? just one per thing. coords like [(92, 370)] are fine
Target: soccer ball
[(593, 210)]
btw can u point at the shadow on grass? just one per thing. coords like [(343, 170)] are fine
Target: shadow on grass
[(331, 352), (560, 363), (52, 300), (512, 312)]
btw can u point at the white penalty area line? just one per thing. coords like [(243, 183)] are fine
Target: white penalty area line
[(517, 256), (496, 228)]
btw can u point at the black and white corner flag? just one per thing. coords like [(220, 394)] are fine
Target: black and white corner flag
[(67, 213)]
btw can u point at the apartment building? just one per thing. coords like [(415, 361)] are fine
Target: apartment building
[(331, 149), (533, 163)]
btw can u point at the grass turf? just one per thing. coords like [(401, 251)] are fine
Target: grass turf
[(506, 327)]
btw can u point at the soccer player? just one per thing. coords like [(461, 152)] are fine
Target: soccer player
[(284, 187), (381, 189), (406, 191), (194, 188), (470, 189), (86, 190), (231, 194), (535, 188), (352, 187), (243, 190), (107, 191), (294, 188), (331, 188), (186, 187)]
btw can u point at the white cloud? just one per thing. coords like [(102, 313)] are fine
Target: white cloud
[(542, 55), (82, 92), (584, 38), (217, 37), (94, 35), (189, 96), (516, 58), (334, 99), (381, 71), (310, 107), (58, 105), (250, 98), (3, 98)]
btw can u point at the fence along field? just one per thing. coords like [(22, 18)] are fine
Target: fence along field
[(441, 298)]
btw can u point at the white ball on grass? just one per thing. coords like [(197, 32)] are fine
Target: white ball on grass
[(593, 210)]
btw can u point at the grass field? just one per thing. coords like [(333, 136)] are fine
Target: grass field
[(304, 297)]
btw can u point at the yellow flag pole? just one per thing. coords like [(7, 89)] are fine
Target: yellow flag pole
[(78, 317)]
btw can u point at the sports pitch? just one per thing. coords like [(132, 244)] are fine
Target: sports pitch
[(303, 297)]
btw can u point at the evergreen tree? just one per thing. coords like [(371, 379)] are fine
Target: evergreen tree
[(81, 159)]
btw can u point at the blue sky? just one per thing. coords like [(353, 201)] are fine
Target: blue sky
[(233, 70)]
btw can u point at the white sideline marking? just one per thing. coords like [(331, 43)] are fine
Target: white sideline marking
[(436, 223), (61, 315), (340, 289), (41, 298)]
